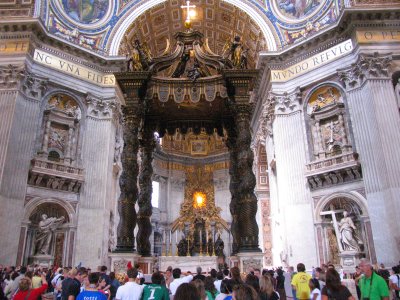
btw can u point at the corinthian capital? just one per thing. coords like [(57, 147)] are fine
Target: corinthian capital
[(367, 67), (100, 108), (10, 76), (285, 103), (34, 86)]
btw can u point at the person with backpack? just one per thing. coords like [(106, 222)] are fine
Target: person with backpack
[(394, 282)]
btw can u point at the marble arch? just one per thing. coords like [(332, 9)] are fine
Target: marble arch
[(323, 84), (58, 91), (136, 11), (354, 196), (35, 202)]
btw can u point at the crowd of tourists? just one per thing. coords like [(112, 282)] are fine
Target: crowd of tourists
[(322, 283)]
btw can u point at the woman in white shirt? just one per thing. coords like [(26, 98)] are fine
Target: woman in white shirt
[(315, 293)]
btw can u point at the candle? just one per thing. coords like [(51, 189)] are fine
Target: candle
[(170, 236), (206, 236), (176, 237), (164, 237)]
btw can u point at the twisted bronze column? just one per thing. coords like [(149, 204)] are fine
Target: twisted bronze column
[(128, 182), (231, 144), (247, 200), (147, 145)]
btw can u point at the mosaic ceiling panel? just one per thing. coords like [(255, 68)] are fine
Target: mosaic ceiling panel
[(94, 24)]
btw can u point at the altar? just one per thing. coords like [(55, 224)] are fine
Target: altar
[(188, 263)]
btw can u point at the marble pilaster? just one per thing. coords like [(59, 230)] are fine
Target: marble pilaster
[(375, 118), (294, 199), (20, 95), (93, 218)]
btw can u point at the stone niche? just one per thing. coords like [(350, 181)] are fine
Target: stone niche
[(56, 164), (332, 158)]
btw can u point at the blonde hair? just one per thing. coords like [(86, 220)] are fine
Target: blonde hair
[(25, 284), (266, 285)]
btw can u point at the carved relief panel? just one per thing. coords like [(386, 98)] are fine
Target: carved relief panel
[(327, 123)]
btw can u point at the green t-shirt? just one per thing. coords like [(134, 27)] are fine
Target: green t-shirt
[(155, 292), (375, 290), (210, 296)]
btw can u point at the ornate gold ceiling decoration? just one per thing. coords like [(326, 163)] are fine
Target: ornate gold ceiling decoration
[(194, 145), (217, 20)]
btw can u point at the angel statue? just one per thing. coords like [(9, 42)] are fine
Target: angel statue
[(236, 53), (43, 238)]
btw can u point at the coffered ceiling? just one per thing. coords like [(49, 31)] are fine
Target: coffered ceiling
[(216, 19)]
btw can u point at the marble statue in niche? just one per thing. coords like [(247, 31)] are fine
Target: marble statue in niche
[(348, 234), (45, 233)]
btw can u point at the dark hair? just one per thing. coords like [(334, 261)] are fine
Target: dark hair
[(333, 280), (82, 271), (396, 269), (14, 275), (156, 278), (235, 275), (315, 283), (112, 276), (29, 274), (301, 267), (213, 273), (253, 281), (22, 270), (132, 273), (103, 268), (220, 275), (226, 272), (176, 273), (245, 292), (93, 278), (209, 286), (187, 291), (199, 285), (227, 286)]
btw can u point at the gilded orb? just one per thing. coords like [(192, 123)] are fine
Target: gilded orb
[(188, 24)]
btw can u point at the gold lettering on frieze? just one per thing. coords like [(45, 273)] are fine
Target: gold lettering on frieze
[(378, 36), (312, 62), (73, 69), (14, 46)]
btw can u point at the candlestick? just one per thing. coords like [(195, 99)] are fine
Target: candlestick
[(170, 236)]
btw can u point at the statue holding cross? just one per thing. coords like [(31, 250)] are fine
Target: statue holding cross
[(345, 231)]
